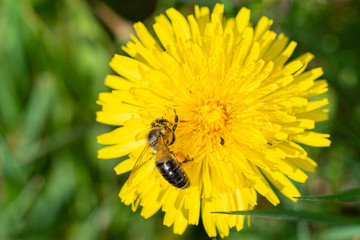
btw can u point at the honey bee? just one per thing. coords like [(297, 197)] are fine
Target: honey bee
[(160, 137)]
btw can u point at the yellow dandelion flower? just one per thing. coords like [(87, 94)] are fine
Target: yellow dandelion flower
[(242, 107)]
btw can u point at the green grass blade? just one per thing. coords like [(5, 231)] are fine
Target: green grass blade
[(53, 142), (339, 233), (88, 229), (11, 171), (350, 195), (39, 107), (291, 215), (9, 100), (58, 190), (17, 209)]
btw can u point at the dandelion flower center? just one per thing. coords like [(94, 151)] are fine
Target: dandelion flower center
[(212, 116)]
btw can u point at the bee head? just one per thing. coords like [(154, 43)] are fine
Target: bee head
[(161, 122)]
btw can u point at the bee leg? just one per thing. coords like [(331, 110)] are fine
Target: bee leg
[(173, 139), (174, 128), (175, 122)]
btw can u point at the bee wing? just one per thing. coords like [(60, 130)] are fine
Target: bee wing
[(142, 159)]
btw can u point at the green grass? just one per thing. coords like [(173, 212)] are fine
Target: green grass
[(53, 60)]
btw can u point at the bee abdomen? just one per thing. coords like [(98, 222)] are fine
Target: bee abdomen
[(173, 173)]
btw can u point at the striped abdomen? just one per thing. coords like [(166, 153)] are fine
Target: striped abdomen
[(173, 173)]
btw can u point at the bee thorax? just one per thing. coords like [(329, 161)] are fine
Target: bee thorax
[(154, 137)]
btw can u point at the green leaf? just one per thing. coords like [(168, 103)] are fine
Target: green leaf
[(291, 215), (350, 195)]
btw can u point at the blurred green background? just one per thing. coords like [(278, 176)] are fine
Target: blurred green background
[(53, 60)]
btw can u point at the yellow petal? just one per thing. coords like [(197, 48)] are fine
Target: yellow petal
[(119, 83), (292, 171), (282, 183), (306, 164), (253, 54), (305, 59), (145, 37), (166, 38), (312, 139), (311, 74), (119, 150), (208, 218), (242, 19), (203, 17), (317, 104), (319, 87), (277, 47), (179, 23), (113, 118), (127, 67), (195, 30), (119, 135), (180, 223), (286, 54), (292, 149), (263, 25), (125, 166), (317, 115), (217, 12)]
